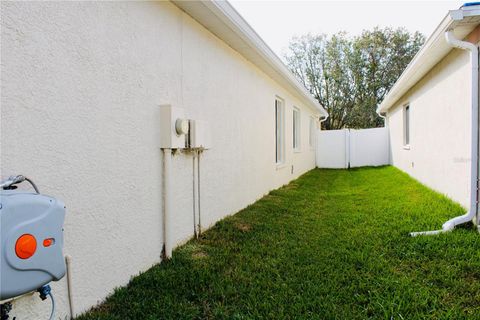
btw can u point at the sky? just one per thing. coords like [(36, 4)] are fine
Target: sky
[(277, 21)]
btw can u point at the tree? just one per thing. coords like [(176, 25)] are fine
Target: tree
[(351, 76)]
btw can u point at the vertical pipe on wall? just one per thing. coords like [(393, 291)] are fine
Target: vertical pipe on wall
[(199, 232), (317, 138), (68, 263), (471, 214), (476, 96), (194, 195), (167, 206), (383, 117), (385, 125), (473, 209)]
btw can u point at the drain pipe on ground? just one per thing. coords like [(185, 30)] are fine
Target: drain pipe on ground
[(472, 212)]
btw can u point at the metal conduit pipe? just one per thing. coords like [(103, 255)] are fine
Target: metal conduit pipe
[(472, 211)]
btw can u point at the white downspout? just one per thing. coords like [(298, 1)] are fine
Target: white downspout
[(472, 211), (385, 125), (316, 141), (323, 120), (167, 206), (383, 117)]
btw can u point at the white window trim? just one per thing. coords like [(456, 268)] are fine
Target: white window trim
[(280, 162), (406, 144), (297, 130)]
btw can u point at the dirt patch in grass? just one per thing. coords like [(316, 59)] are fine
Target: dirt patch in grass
[(199, 255), (244, 227)]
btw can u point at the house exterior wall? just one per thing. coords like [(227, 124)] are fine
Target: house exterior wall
[(81, 84), (440, 115)]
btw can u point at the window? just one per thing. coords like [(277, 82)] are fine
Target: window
[(406, 125), (279, 132), (311, 136), (296, 129)]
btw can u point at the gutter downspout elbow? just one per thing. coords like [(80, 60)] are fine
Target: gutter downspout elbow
[(317, 137), (472, 212), (323, 120), (382, 116)]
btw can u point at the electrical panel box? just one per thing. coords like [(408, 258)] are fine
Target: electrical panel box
[(173, 127), (200, 135), (31, 233)]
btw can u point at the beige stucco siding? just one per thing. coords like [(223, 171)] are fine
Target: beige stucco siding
[(440, 112), (81, 84)]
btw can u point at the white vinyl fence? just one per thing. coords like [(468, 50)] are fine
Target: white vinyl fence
[(349, 148)]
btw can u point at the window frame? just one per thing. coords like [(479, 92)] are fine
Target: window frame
[(279, 131)]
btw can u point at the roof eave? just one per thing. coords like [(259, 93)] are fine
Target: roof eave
[(220, 18), (431, 53)]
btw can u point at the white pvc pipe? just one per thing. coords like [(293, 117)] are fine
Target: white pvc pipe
[(383, 117), (316, 140), (472, 211), (194, 193), (167, 206), (385, 125), (68, 263), (199, 226), (323, 120)]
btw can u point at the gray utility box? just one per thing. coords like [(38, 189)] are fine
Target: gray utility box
[(31, 231)]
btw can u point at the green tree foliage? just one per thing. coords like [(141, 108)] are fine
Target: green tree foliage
[(350, 76)]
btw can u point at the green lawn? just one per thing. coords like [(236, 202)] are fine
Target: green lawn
[(331, 245)]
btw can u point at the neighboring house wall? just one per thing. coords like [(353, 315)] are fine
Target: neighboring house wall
[(440, 109), (81, 86)]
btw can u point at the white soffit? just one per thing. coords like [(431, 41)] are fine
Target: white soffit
[(462, 21), (220, 18)]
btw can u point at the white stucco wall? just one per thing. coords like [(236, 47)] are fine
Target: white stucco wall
[(440, 110), (81, 84)]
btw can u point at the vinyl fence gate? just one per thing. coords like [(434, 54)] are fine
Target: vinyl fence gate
[(350, 148)]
